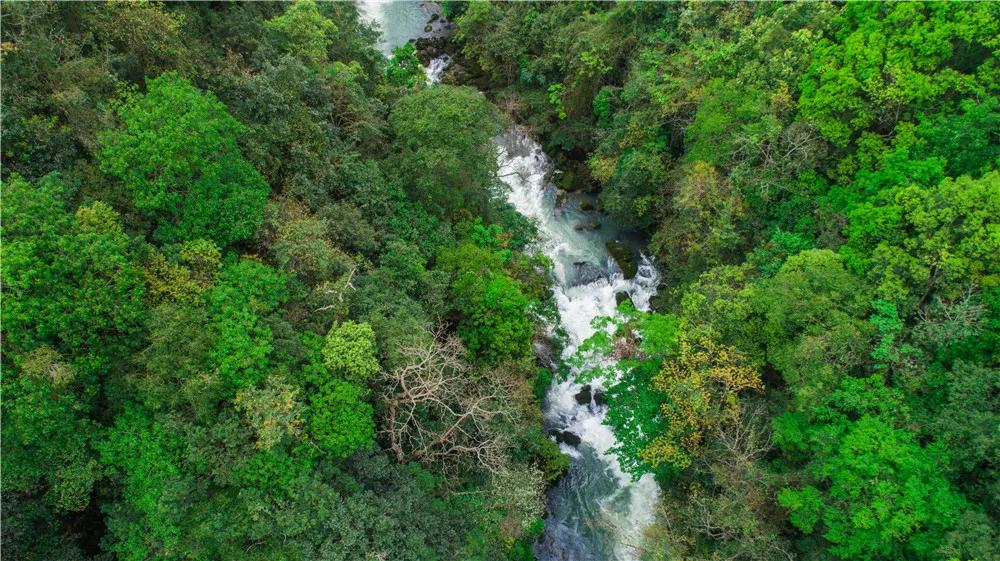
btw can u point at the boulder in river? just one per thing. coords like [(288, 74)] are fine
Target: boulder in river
[(600, 399), (621, 297), (566, 437), (624, 256), (585, 273), (584, 395)]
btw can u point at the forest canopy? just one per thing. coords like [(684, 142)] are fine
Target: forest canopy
[(263, 297)]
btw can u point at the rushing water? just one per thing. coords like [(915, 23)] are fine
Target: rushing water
[(596, 512), (400, 21)]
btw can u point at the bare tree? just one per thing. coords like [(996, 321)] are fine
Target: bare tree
[(438, 414)]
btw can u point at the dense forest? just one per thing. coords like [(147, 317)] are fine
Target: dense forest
[(263, 297)]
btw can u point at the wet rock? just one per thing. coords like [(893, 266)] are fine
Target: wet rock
[(661, 301), (434, 18), (600, 399), (585, 273), (584, 396), (621, 297), (560, 197), (430, 47), (567, 181), (624, 256), (456, 74), (587, 205), (566, 437), (428, 28), (588, 226)]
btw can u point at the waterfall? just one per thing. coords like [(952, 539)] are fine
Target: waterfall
[(597, 512), (435, 69)]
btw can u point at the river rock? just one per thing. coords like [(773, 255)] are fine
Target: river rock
[(560, 197), (586, 205), (624, 256), (584, 395), (566, 437), (585, 273), (621, 297), (600, 398), (429, 48)]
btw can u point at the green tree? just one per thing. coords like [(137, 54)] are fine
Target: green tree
[(349, 352), (813, 309), (340, 420), (177, 154), (70, 282), (641, 343), (876, 493), (238, 307), (303, 31), (404, 68), (887, 60), (924, 241), (443, 151), (495, 320)]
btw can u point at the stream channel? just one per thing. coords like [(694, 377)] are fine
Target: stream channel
[(596, 512)]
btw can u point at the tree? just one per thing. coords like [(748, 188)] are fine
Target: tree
[(147, 453), (349, 352), (177, 154), (238, 306), (438, 415), (701, 228), (404, 68), (303, 31), (876, 492), (638, 344), (70, 281), (300, 242), (929, 240), (273, 410), (813, 309), (443, 150), (700, 390), (723, 505), (340, 420), (48, 433), (495, 319), (886, 61)]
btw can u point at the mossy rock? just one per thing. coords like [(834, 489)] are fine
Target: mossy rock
[(566, 181), (624, 256), (587, 205)]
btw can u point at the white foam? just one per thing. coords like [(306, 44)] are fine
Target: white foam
[(435, 69), (525, 169)]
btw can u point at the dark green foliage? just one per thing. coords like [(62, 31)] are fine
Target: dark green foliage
[(193, 370), (444, 156), (225, 224), (818, 184)]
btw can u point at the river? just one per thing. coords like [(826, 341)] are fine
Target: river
[(596, 512)]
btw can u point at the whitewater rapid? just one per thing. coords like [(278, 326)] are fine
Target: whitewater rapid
[(596, 512)]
